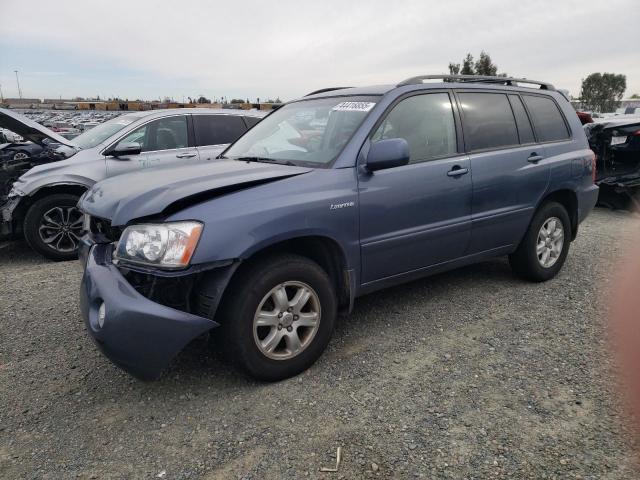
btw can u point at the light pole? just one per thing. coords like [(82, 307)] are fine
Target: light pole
[(18, 82), (1, 97)]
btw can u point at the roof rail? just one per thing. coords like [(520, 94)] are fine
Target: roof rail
[(323, 90), (509, 81)]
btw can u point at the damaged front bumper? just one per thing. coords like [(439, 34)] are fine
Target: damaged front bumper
[(137, 334), (7, 216)]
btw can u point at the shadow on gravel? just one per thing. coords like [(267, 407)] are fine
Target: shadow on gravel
[(200, 368), (17, 252)]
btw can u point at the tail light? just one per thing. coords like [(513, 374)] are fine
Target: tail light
[(636, 133), (593, 166)]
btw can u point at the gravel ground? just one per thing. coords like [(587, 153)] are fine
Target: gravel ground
[(469, 374)]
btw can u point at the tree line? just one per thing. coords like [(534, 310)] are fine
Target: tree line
[(599, 92)]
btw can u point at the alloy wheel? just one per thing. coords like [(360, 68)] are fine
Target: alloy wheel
[(287, 320), (550, 242), (61, 228)]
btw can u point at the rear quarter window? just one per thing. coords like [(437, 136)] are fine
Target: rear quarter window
[(488, 121), (547, 119)]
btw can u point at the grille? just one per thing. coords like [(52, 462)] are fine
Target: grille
[(103, 227)]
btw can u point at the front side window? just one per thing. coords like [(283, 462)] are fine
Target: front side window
[(488, 121), (308, 132), (546, 118), (426, 122), (169, 133), (164, 134), (139, 135), (217, 129)]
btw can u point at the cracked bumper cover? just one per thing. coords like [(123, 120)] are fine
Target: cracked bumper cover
[(7, 216), (138, 335)]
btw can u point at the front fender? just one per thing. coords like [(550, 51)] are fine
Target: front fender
[(30, 187), (321, 203)]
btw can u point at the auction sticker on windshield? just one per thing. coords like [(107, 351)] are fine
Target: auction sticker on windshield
[(354, 106), (618, 140)]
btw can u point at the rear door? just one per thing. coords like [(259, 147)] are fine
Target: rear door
[(213, 133), (417, 215), (510, 173)]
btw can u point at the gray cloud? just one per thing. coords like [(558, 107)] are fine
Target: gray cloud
[(288, 47)]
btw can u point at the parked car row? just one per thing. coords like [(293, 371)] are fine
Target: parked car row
[(334, 195)]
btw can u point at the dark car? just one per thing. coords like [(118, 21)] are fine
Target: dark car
[(333, 196), (616, 143)]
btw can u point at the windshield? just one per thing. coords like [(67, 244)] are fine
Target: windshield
[(309, 132), (100, 133)]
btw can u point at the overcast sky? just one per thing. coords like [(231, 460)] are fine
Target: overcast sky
[(249, 48)]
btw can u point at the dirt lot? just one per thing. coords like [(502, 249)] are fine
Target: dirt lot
[(469, 374)]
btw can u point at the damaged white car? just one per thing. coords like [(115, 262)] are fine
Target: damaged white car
[(39, 191)]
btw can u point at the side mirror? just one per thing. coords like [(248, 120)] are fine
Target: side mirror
[(124, 149), (393, 152)]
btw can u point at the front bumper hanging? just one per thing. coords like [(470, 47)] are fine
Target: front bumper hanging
[(137, 334)]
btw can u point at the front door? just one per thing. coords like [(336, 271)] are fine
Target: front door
[(164, 142), (417, 215)]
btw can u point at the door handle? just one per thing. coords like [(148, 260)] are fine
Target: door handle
[(534, 158), (185, 155), (456, 171)]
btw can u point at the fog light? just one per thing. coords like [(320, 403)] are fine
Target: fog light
[(101, 315)]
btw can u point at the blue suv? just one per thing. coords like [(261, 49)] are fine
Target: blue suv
[(335, 195)]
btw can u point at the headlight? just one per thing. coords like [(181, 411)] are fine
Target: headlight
[(168, 245)]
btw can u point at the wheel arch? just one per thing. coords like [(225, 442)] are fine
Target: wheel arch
[(52, 189), (321, 249), (28, 200), (569, 200)]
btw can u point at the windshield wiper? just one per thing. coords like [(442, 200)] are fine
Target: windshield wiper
[(265, 160)]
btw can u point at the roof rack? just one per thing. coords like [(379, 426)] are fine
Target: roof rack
[(509, 81), (324, 90)]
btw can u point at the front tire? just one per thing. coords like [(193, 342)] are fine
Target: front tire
[(545, 246), (277, 317), (53, 226)]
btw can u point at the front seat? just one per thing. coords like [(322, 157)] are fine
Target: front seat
[(166, 140)]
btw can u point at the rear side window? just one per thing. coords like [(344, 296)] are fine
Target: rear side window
[(426, 122), (522, 120), (251, 121), (488, 121), (217, 129), (546, 118)]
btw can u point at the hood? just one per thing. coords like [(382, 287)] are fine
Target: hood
[(141, 194), (601, 130), (28, 129), (618, 121)]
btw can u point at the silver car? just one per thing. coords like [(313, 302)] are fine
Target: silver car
[(38, 194)]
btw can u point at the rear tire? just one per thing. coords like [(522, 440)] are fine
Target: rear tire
[(540, 256), (255, 317), (53, 226)]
